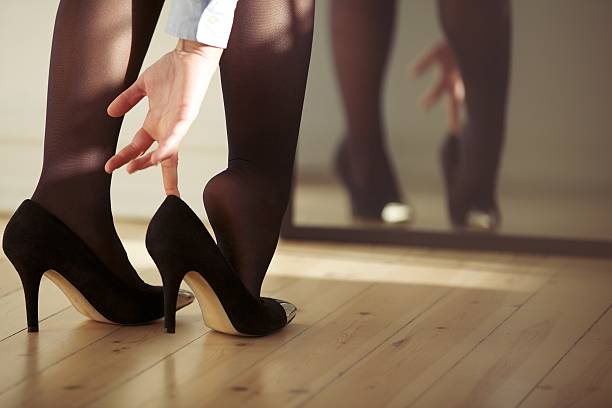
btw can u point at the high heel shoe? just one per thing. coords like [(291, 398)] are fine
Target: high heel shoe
[(466, 210), (182, 248), (39, 244), (367, 204)]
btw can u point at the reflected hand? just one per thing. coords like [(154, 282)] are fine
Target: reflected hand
[(175, 86), (449, 82)]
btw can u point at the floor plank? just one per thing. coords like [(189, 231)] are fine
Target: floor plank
[(416, 356), (330, 348), (583, 378), (373, 313), (62, 335), (89, 371), (12, 308), (30, 353), (206, 365), (376, 326), (10, 281), (502, 369)]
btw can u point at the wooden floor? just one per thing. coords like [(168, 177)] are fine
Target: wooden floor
[(376, 326)]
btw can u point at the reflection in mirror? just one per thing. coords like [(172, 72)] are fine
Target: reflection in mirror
[(432, 116)]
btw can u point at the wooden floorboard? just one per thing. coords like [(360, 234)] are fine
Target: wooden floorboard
[(210, 364), (416, 356), (376, 326), (583, 377), (10, 282), (114, 357), (503, 368)]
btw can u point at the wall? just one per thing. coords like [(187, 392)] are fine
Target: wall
[(558, 115), (24, 65)]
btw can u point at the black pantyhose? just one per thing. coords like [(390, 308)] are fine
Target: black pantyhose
[(263, 75), (362, 37), (479, 32), (98, 49)]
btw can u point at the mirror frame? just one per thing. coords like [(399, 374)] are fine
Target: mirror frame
[(475, 241)]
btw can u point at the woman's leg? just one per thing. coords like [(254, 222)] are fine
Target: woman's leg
[(362, 36), (479, 32), (263, 74), (98, 48)]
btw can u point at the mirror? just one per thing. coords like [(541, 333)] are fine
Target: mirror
[(370, 169)]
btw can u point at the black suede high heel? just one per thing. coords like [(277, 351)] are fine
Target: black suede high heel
[(470, 207), (367, 204), (37, 243), (182, 248)]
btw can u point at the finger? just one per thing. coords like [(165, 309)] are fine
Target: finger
[(170, 144), (127, 99), (425, 61), (456, 100), (140, 163), (453, 115), (163, 152), (170, 175), (434, 95), (459, 91), (139, 144)]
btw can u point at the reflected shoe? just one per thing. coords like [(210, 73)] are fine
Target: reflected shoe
[(368, 204), (478, 220), (465, 210), (182, 248), (39, 244)]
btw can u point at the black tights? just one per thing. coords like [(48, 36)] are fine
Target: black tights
[(263, 74), (478, 31), (98, 49), (362, 34)]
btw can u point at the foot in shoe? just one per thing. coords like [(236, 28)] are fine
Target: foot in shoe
[(471, 205), (182, 248), (38, 244), (380, 200)]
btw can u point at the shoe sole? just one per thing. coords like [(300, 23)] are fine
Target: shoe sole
[(81, 304), (213, 313), (75, 297)]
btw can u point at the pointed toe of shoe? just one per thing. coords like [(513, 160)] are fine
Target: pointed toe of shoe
[(397, 213), (185, 298), (482, 220), (290, 309)]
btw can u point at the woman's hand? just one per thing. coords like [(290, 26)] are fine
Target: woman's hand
[(449, 82), (175, 86)]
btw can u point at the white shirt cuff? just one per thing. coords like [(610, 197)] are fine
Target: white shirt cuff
[(205, 21)]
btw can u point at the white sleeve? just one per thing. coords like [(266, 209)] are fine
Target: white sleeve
[(205, 21)]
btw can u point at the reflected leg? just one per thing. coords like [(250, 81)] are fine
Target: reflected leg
[(479, 32), (362, 36)]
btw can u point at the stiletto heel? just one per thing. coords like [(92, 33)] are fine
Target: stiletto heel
[(30, 275), (31, 285), (182, 248), (38, 244), (171, 290), (31, 302)]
